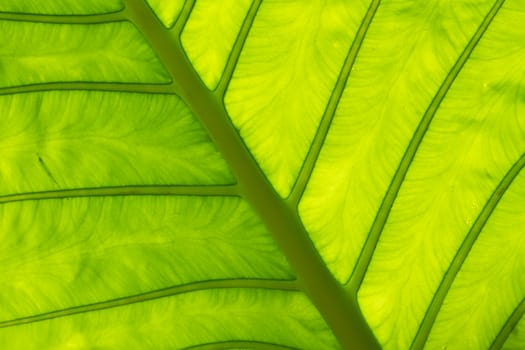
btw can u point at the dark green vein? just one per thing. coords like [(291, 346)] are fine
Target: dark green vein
[(92, 86), (393, 189), (233, 58), (234, 344), (184, 14), (339, 310), (63, 19), (509, 326), (462, 253), (146, 190), (156, 294), (313, 153)]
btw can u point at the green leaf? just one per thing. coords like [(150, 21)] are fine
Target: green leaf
[(262, 174)]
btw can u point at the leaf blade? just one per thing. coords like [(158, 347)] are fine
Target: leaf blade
[(112, 51), (276, 74), (176, 322), (495, 267), (209, 56), (466, 151), (150, 139)]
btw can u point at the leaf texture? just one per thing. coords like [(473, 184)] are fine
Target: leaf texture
[(496, 259), (459, 163), (283, 80), (209, 43), (74, 139), (167, 10), (369, 134), (124, 246), (112, 52), (266, 174), (182, 321)]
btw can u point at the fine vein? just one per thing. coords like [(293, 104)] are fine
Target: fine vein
[(462, 253), (156, 294), (393, 189), (233, 58), (340, 311), (240, 344), (63, 19), (509, 326), (93, 86), (146, 190), (328, 115)]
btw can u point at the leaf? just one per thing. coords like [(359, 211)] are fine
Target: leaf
[(262, 174)]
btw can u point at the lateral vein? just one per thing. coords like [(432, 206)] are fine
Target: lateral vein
[(282, 285), (92, 86), (399, 176), (63, 19), (146, 190), (509, 326), (462, 253), (244, 344), (233, 58), (184, 14), (329, 113)]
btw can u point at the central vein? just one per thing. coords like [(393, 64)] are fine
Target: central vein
[(340, 311)]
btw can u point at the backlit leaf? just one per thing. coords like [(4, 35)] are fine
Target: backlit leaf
[(264, 174)]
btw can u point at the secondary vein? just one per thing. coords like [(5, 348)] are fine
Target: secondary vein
[(183, 17), (156, 294), (244, 344), (93, 86), (233, 58), (328, 115), (509, 326), (462, 253), (63, 19), (145, 190), (399, 176)]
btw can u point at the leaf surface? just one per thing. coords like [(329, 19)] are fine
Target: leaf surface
[(262, 174)]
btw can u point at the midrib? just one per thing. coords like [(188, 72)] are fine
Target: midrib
[(340, 311)]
